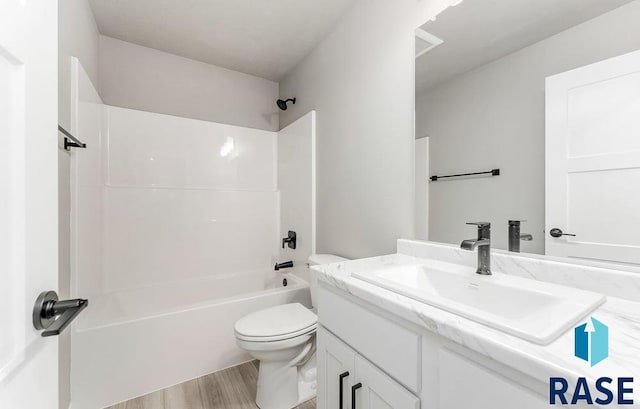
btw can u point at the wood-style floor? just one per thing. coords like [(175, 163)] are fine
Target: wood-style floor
[(233, 388)]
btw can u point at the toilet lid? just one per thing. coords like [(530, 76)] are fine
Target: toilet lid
[(276, 321)]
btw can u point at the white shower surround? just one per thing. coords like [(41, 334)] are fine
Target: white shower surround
[(159, 198), (186, 198), (175, 226)]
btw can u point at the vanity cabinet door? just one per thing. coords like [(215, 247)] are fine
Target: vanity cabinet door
[(373, 389), (466, 384), (335, 371)]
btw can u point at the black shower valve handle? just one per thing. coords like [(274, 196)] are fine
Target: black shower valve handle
[(290, 240)]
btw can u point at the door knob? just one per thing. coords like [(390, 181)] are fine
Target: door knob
[(556, 232)]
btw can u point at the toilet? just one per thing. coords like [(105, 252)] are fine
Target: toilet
[(282, 338)]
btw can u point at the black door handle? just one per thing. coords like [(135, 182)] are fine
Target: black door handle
[(54, 316), (354, 388), (556, 232), (342, 376)]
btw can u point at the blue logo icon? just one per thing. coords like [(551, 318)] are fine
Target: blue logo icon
[(592, 341)]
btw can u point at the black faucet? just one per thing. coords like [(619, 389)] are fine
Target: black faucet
[(515, 236), (286, 264), (483, 244)]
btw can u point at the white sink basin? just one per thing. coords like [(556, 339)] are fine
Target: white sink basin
[(533, 310)]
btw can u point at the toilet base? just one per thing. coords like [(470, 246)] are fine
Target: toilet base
[(281, 386), (307, 380)]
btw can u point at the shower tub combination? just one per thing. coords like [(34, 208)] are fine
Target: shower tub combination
[(175, 226), (130, 343)]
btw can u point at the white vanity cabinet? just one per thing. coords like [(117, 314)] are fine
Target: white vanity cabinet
[(336, 371), (397, 365), (348, 378)]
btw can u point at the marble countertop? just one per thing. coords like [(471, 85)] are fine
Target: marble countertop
[(541, 362)]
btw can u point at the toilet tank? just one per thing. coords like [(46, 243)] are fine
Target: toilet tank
[(315, 260)]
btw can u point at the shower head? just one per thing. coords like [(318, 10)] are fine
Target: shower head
[(282, 103)]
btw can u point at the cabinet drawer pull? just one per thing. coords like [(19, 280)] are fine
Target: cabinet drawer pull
[(354, 388), (342, 376)]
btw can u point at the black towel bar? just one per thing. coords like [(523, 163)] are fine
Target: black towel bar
[(70, 141), (492, 172)]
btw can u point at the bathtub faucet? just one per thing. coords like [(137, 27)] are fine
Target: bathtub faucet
[(286, 264)]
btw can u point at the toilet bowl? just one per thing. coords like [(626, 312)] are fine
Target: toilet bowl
[(282, 338)]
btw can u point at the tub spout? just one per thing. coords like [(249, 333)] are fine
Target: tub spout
[(286, 264)]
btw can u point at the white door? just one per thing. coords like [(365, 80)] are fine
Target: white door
[(336, 372), (28, 199), (593, 161), (376, 390)]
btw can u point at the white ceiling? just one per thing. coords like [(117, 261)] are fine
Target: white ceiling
[(266, 38), (476, 32)]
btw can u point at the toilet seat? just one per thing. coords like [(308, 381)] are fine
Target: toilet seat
[(309, 330), (266, 346), (276, 324)]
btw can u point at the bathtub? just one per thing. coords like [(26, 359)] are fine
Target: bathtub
[(133, 342)]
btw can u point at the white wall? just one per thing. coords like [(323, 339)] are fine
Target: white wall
[(493, 117), (77, 36), (297, 188), (360, 80), (422, 188), (142, 78)]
